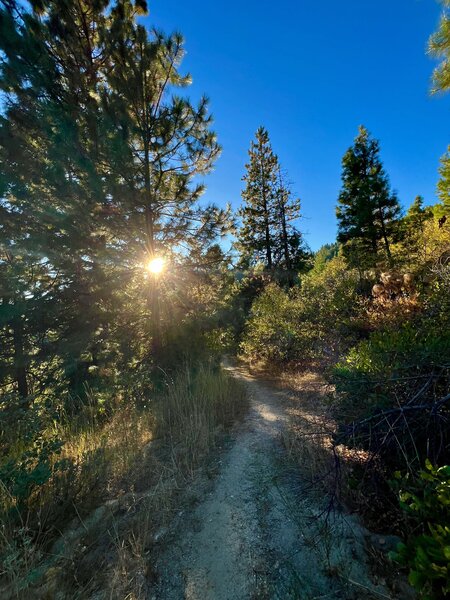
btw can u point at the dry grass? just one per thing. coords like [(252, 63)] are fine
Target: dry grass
[(95, 524), (308, 438), (324, 466), (194, 407)]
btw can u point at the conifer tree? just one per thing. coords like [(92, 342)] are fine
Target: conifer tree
[(444, 183), (268, 234), (97, 167), (289, 250), (166, 141), (413, 225), (417, 215), (256, 236), (53, 159), (367, 211), (439, 47)]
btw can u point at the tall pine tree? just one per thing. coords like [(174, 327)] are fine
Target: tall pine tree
[(258, 214), (97, 160), (290, 250), (439, 47), (166, 142), (268, 234), (367, 211)]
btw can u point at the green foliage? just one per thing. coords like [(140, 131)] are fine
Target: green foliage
[(386, 353), (417, 215), (271, 334), (98, 161), (444, 184), (308, 323), (367, 210), (323, 255), (386, 371), (412, 228), (425, 501), (267, 233), (258, 213), (22, 474), (439, 46)]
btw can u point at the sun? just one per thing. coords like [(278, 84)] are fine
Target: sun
[(156, 265)]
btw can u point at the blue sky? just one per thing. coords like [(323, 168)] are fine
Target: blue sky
[(311, 71)]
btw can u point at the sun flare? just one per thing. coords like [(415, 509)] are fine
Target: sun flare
[(156, 265)]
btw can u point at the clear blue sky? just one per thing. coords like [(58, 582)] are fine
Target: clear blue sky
[(311, 71)]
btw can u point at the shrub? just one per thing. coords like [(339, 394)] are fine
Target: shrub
[(272, 332), (425, 502), (312, 321), (390, 395)]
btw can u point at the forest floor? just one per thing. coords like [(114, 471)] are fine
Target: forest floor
[(258, 531)]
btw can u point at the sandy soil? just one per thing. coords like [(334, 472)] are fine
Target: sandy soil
[(253, 535)]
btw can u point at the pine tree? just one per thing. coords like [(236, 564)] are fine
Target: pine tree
[(53, 168), (413, 225), (289, 250), (417, 215), (367, 211), (268, 234), (439, 47), (97, 166), (444, 184), (323, 255), (258, 214), (166, 142)]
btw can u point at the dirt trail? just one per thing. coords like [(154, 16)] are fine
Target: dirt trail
[(254, 536)]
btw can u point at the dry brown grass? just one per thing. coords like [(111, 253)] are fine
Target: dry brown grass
[(94, 526), (309, 438)]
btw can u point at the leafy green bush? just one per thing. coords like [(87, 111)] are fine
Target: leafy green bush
[(272, 333), (31, 469), (387, 352), (310, 322), (390, 396), (426, 505)]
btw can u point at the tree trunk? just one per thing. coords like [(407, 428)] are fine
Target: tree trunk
[(20, 372), (268, 245), (156, 317), (385, 238), (287, 256), (282, 208), (266, 220), (154, 289)]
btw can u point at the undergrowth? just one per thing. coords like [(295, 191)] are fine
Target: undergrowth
[(70, 488)]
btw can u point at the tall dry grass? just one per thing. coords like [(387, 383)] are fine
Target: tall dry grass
[(118, 487), (195, 408)]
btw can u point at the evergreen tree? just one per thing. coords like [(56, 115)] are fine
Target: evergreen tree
[(289, 250), (53, 145), (268, 234), (417, 215), (367, 211), (323, 255), (166, 142), (97, 166), (439, 47), (413, 225), (444, 183), (256, 238)]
